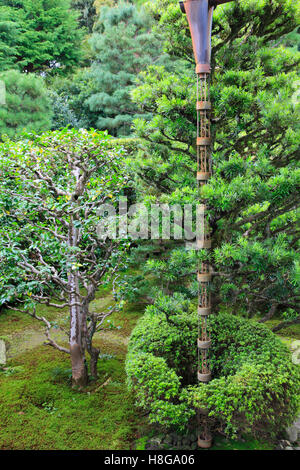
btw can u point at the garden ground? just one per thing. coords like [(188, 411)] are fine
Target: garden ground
[(39, 409)]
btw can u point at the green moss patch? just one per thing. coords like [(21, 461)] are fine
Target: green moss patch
[(40, 410)]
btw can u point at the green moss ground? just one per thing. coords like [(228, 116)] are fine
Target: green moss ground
[(39, 410)]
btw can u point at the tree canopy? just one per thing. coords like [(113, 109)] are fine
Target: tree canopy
[(39, 35), (87, 13), (253, 374), (122, 44), (51, 189)]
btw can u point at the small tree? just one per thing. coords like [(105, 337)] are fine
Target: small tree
[(51, 189), (27, 105)]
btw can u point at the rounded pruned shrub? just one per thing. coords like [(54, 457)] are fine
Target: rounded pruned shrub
[(255, 386)]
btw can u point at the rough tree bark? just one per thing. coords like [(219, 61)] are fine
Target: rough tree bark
[(77, 320), (79, 369), (286, 323)]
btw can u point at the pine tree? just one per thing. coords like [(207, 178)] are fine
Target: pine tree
[(123, 45), (253, 196)]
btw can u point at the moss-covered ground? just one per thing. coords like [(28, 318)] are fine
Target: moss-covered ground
[(39, 409)]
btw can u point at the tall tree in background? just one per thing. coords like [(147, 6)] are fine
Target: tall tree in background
[(123, 45), (253, 196), (39, 35), (51, 189), (63, 115), (27, 105), (69, 95), (100, 3), (9, 34)]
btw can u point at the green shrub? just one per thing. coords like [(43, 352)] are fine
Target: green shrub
[(255, 385), (27, 105)]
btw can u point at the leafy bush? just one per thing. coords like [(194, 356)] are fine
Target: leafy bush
[(255, 385)]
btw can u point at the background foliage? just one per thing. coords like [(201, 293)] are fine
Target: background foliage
[(253, 196), (27, 105)]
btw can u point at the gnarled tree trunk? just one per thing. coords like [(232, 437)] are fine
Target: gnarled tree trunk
[(77, 326)]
